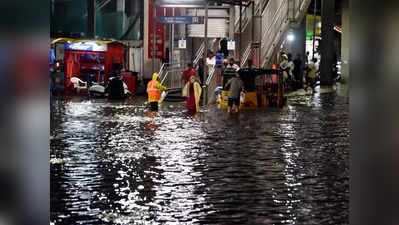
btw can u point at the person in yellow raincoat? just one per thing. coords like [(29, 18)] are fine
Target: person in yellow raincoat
[(154, 89)]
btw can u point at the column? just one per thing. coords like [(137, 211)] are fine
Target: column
[(91, 19), (345, 41), (120, 7), (327, 42)]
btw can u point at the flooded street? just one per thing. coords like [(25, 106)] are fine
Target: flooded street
[(112, 163)]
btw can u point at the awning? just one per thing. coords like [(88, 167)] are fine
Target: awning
[(72, 40)]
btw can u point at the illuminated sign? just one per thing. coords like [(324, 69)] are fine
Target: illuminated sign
[(231, 45), (92, 47), (338, 29)]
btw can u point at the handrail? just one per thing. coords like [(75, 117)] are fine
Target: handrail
[(163, 80), (161, 70), (211, 75), (273, 38), (279, 17), (102, 4), (199, 55), (246, 54), (264, 6), (276, 13), (275, 28), (244, 18), (168, 67)]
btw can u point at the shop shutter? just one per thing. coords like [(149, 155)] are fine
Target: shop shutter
[(217, 23)]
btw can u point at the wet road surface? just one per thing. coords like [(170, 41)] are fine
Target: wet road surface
[(114, 164)]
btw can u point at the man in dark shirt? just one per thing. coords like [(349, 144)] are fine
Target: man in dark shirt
[(298, 71), (223, 47), (235, 85)]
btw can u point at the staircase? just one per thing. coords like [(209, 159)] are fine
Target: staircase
[(278, 17)]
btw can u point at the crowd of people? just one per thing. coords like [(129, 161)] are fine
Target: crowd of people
[(298, 73), (192, 81)]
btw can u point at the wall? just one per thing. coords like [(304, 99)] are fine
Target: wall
[(345, 41), (298, 44), (70, 17)]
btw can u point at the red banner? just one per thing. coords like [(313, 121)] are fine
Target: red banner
[(160, 33)]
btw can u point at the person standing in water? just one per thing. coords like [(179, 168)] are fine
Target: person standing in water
[(235, 86), (188, 72), (194, 96), (312, 74), (154, 89)]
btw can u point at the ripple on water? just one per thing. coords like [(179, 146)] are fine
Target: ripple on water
[(112, 164)]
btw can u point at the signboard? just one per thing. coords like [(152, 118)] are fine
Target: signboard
[(160, 34), (92, 47), (182, 43), (176, 56), (181, 20), (231, 45)]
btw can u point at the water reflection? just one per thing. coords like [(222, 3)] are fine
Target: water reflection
[(130, 166)]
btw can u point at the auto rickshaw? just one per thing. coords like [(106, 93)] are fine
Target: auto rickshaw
[(264, 88)]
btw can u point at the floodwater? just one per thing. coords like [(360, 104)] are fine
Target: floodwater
[(112, 163)]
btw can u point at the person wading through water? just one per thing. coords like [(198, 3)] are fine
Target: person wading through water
[(235, 86), (154, 89)]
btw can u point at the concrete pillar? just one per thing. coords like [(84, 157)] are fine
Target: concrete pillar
[(121, 7), (231, 22), (327, 43), (52, 6), (345, 41), (145, 28), (232, 17), (147, 69), (91, 19)]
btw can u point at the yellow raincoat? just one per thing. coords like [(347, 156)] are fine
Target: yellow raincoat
[(197, 92), (154, 89)]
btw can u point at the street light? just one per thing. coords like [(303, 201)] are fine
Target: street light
[(290, 37)]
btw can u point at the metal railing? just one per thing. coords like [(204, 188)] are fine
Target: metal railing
[(299, 9), (211, 76), (260, 6), (168, 67), (101, 4), (171, 75), (247, 53), (198, 55), (246, 15), (277, 18), (210, 84), (273, 28)]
